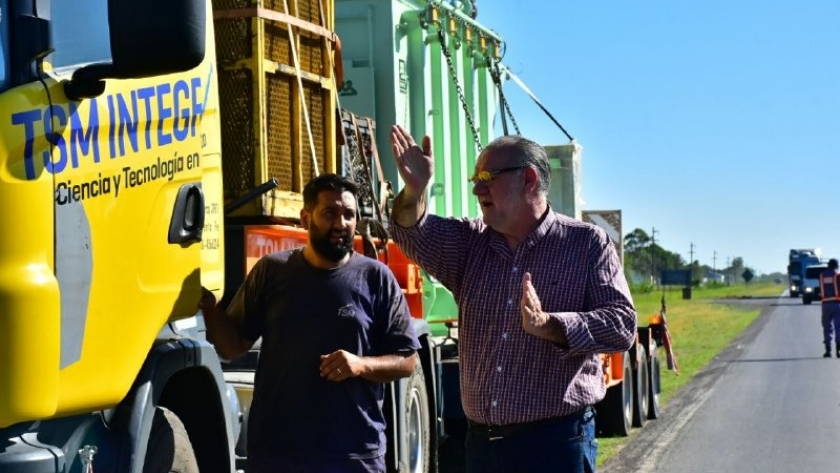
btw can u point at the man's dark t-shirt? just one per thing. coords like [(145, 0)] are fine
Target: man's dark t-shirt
[(301, 313)]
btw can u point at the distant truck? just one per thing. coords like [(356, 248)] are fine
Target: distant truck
[(798, 260), (811, 282)]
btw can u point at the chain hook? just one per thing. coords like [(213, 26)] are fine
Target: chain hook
[(452, 72)]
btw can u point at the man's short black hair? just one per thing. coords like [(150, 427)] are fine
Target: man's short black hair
[(332, 182), (832, 263)]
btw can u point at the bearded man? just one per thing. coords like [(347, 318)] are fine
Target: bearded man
[(335, 327)]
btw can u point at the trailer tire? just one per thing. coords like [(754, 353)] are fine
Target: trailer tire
[(641, 390), (417, 422), (169, 449), (655, 386), (615, 411)]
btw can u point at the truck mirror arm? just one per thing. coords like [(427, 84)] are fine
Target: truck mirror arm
[(252, 194), (88, 81)]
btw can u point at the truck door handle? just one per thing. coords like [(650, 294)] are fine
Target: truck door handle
[(187, 223)]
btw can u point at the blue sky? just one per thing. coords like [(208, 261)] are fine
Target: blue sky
[(716, 122)]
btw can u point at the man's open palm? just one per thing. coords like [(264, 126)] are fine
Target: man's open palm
[(415, 163)]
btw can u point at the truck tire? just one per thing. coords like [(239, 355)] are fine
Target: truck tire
[(416, 404), (655, 386), (641, 389), (652, 352), (615, 412), (169, 449)]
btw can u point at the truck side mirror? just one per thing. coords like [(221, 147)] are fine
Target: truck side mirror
[(148, 38)]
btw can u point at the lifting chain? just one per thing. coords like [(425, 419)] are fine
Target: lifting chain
[(496, 75), (355, 166), (447, 54), (473, 9)]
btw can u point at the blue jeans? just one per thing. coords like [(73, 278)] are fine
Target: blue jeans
[(567, 446), (830, 323)]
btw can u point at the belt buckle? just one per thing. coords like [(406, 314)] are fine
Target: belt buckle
[(493, 435)]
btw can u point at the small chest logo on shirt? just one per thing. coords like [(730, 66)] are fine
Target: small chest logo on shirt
[(347, 311)]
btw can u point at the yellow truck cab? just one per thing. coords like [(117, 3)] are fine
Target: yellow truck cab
[(110, 179)]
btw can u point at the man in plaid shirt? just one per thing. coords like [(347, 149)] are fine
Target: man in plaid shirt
[(540, 295)]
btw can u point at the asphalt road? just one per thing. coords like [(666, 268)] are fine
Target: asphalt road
[(769, 403)]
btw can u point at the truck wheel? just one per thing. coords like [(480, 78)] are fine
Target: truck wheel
[(641, 390), (417, 422), (169, 449), (615, 412), (655, 387)]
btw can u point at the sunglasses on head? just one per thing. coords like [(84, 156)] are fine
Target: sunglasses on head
[(486, 177)]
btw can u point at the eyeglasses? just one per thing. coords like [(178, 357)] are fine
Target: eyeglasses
[(486, 177)]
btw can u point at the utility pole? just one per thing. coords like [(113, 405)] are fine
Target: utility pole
[(691, 260), (714, 263), (652, 256)]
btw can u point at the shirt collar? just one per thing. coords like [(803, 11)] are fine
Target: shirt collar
[(547, 220)]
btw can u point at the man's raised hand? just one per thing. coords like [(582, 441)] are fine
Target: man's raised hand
[(415, 163)]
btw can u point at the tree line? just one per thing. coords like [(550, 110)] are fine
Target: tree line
[(644, 260)]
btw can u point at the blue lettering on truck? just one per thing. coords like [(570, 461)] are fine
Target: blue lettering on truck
[(129, 124)]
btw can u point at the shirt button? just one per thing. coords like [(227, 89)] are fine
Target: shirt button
[(499, 369), (504, 336), (493, 403), (516, 269), (510, 301)]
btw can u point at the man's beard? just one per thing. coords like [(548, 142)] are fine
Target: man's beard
[(322, 244)]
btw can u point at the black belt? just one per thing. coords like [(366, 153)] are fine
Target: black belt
[(508, 430)]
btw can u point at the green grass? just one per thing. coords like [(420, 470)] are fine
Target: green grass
[(699, 330)]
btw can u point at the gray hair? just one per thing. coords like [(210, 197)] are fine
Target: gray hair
[(524, 152)]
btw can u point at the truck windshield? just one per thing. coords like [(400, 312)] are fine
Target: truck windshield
[(4, 45), (813, 272)]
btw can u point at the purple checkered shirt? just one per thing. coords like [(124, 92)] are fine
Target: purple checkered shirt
[(507, 375)]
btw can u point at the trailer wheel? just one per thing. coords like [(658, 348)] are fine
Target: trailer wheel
[(615, 412), (417, 422), (655, 387), (641, 386), (169, 449)]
